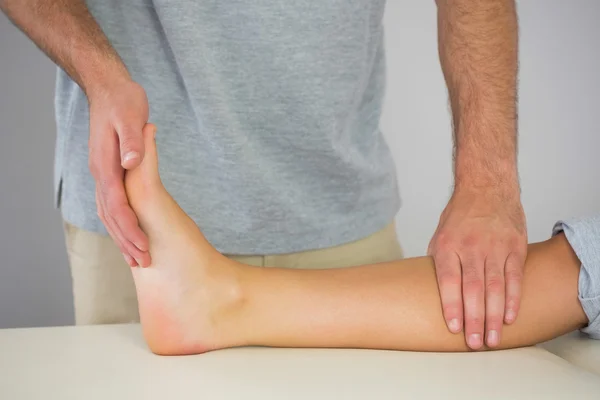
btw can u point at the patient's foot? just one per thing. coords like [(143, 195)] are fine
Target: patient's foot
[(189, 294)]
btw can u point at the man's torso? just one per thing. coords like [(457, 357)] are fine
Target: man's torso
[(267, 115)]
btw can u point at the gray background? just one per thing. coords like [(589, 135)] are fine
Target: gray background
[(559, 142)]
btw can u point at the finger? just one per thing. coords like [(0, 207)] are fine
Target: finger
[(107, 171), (129, 260), (100, 211), (119, 216), (514, 277), (434, 240), (112, 191), (473, 298), (124, 221), (118, 239), (494, 297), (118, 208), (447, 266), (131, 144), (431, 246), (129, 249), (109, 225)]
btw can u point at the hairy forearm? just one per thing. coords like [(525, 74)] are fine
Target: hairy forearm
[(66, 31), (478, 49), (397, 305)]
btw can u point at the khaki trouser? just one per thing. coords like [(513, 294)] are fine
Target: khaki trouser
[(104, 291)]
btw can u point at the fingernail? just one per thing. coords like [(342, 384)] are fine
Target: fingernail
[(140, 246), (510, 316), (475, 341), (454, 326), (130, 156), (492, 338)]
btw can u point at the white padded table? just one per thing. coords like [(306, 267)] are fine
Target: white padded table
[(112, 362), (578, 349)]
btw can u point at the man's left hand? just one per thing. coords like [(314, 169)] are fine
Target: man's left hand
[(479, 249)]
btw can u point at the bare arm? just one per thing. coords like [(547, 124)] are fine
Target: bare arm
[(478, 55), (480, 244), (67, 32)]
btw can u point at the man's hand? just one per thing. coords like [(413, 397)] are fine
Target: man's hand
[(479, 249), (117, 115), (480, 244)]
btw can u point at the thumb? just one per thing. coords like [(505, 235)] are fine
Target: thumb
[(432, 242), (131, 144)]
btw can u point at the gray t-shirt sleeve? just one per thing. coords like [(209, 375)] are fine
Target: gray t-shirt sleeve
[(583, 235)]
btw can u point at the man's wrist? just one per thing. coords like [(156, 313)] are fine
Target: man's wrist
[(492, 176), (98, 76), (502, 191)]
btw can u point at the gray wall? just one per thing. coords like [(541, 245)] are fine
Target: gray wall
[(559, 142), (34, 276)]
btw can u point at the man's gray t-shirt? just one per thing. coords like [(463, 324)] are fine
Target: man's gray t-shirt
[(267, 115)]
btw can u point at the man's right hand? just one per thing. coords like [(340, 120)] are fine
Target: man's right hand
[(118, 112)]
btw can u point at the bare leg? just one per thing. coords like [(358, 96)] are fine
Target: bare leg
[(192, 299), (397, 305), (190, 289)]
